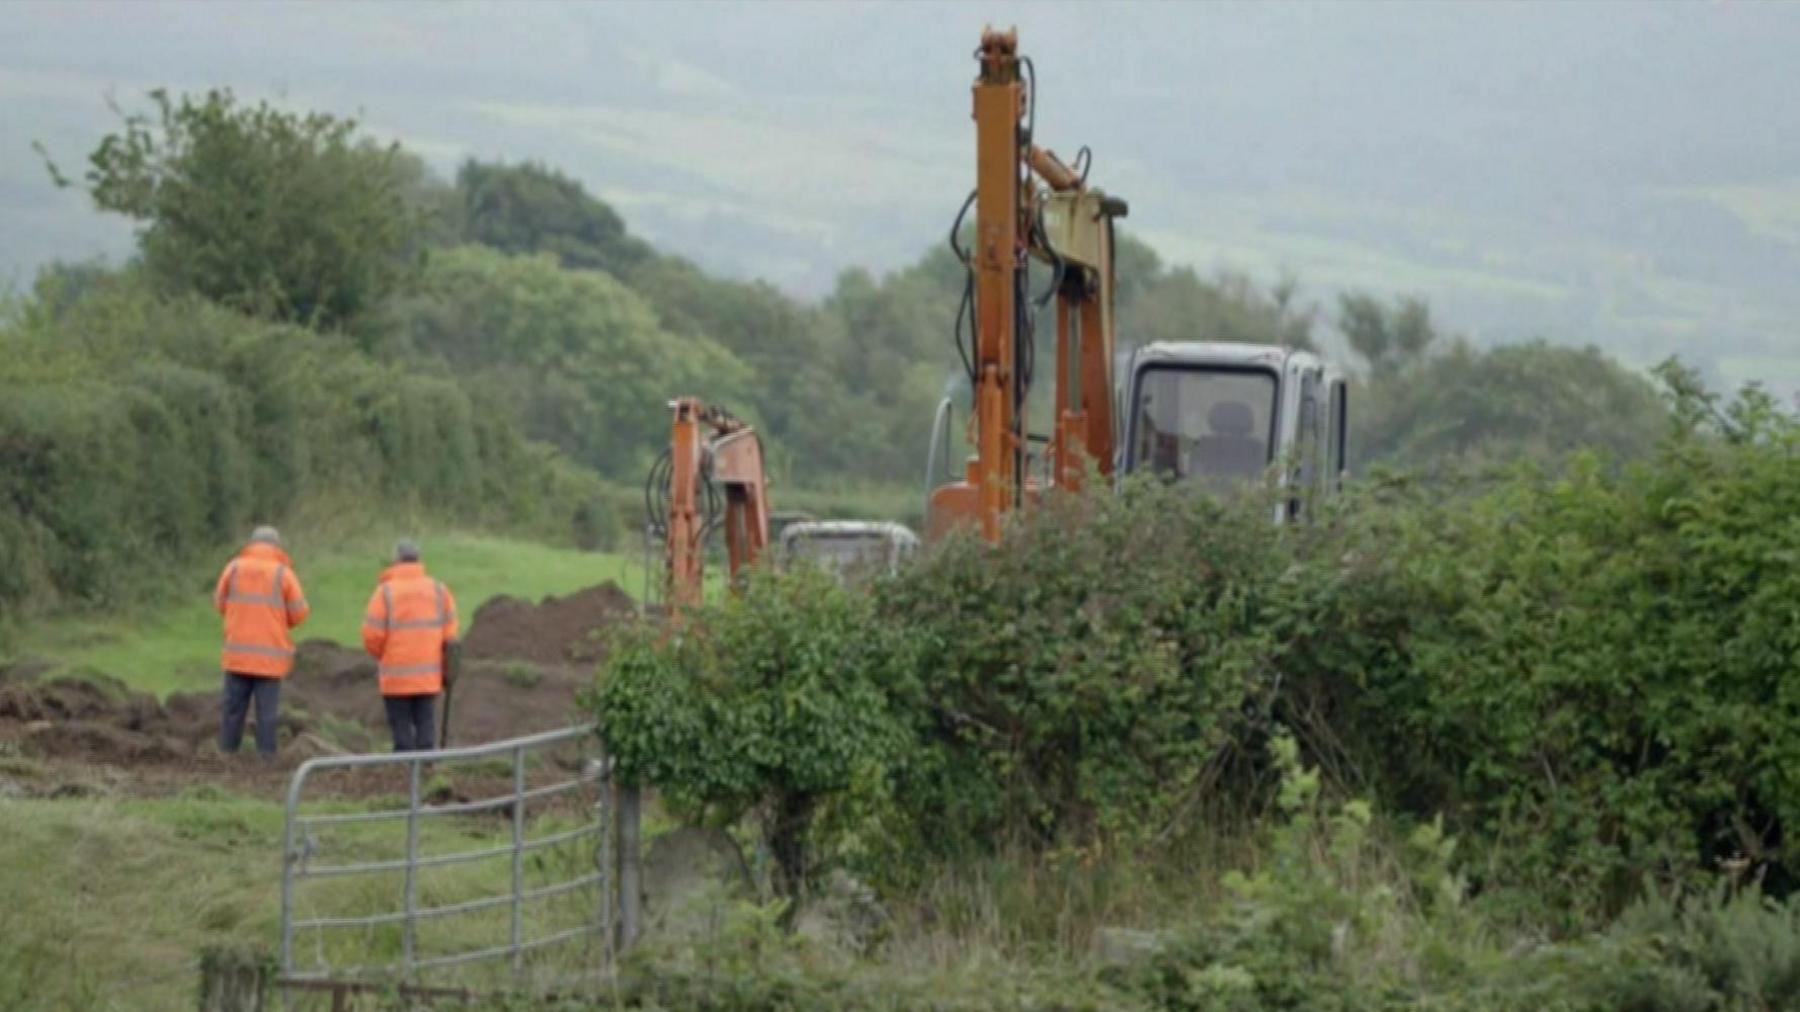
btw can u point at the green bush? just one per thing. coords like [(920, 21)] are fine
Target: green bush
[(574, 357), (1597, 668), (1590, 676), (778, 701), (1337, 918), (1085, 677), (137, 432)]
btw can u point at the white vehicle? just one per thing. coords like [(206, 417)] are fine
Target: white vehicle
[(849, 548), (1222, 414)]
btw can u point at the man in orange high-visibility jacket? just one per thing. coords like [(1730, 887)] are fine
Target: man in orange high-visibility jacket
[(260, 597), (409, 627)]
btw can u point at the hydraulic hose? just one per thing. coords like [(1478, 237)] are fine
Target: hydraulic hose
[(966, 308), (657, 494), (656, 506)]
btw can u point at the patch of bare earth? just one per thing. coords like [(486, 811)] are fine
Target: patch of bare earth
[(523, 666)]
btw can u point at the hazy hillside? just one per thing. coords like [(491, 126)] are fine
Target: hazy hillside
[(1616, 175)]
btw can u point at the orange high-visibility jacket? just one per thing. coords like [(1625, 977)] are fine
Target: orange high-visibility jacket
[(261, 599), (411, 617)]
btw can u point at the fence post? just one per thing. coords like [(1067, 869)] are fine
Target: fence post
[(234, 980), (603, 857), (630, 864)]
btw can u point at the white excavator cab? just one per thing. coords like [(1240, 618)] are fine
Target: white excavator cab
[(1219, 416), (849, 549)]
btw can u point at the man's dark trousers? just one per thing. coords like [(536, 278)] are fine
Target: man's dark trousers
[(413, 721), (238, 691)]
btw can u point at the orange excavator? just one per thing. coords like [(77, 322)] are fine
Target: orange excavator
[(710, 476), (1029, 204), (1204, 413)]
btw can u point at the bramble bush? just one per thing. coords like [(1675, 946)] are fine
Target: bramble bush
[(1600, 667), (1590, 675)]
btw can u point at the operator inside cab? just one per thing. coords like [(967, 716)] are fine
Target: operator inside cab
[(1210, 427)]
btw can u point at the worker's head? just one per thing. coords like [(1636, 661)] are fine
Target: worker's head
[(266, 535), (406, 550), (1231, 418)]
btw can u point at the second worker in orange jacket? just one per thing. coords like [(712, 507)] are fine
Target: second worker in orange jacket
[(408, 627)]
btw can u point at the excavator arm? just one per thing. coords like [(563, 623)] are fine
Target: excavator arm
[(1029, 204), (710, 450)]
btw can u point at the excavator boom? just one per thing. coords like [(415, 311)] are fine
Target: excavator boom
[(1068, 226), (709, 449)]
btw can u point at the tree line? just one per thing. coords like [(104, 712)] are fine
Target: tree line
[(318, 314)]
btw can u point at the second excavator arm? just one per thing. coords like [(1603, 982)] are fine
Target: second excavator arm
[(710, 453)]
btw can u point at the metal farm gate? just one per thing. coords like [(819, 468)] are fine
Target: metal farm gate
[(521, 879)]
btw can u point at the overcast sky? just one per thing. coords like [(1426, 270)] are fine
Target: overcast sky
[(1627, 175)]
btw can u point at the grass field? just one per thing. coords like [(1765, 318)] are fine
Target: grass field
[(176, 648), (122, 896)]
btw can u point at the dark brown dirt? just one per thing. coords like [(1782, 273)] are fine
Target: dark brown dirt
[(557, 631), (523, 667)]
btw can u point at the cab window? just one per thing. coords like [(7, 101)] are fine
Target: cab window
[(1211, 426), (1340, 426)]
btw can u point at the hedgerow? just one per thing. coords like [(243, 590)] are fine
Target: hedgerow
[(138, 430), (1591, 676)]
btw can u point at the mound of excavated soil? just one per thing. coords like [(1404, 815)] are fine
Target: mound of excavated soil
[(91, 719), (559, 631), (523, 666)]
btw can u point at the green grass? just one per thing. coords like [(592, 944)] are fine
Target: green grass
[(104, 906), (176, 648), (107, 904)]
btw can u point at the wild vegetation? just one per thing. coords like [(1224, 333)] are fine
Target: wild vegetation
[(1508, 726), (1521, 746), (314, 316)]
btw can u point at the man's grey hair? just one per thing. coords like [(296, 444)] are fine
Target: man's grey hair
[(406, 550), (266, 535)]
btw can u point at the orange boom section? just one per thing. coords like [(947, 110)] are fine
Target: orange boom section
[(1029, 205), (711, 454)]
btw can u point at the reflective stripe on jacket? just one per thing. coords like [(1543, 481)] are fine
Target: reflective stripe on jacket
[(409, 620), (261, 599)]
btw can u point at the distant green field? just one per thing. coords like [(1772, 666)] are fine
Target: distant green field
[(176, 649)]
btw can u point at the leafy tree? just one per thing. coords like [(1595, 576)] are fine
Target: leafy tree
[(788, 346), (1534, 399), (579, 358), (779, 701), (891, 358), (1388, 337), (531, 208), (285, 216)]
